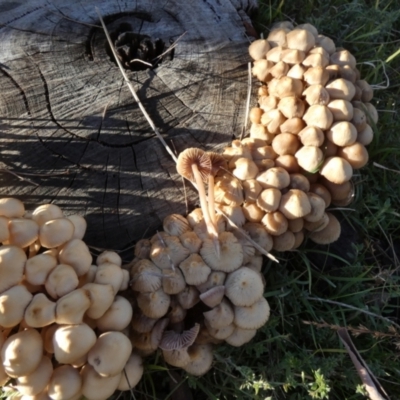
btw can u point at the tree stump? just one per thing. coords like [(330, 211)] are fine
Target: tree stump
[(70, 127)]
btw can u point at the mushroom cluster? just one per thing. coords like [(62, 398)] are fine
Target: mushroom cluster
[(191, 296), (61, 321)]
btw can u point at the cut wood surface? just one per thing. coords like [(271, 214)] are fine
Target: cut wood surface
[(67, 117)]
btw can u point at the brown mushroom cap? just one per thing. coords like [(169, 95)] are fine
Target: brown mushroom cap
[(146, 276), (295, 204), (319, 116), (252, 212), (275, 223), (252, 317), (336, 170), (155, 304), (356, 155), (243, 287), (195, 270), (201, 358), (329, 234), (284, 242)]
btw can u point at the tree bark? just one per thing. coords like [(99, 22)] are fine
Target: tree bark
[(67, 117)]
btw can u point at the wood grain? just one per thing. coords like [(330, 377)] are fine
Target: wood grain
[(67, 116)]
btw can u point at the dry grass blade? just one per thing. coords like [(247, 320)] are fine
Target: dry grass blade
[(246, 116)]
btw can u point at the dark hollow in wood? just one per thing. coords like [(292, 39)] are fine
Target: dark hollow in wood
[(67, 117)]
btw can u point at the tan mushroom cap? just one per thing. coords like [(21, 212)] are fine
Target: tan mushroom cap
[(61, 280), (109, 274), (245, 169), (295, 225), (12, 264), (175, 225), (329, 234), (252, 317), (221, 333), (35, 382), (243, 287), (300, 39), (318, 225), (117, 317), (212, 297), (261, 69), (216, 278), (341, 89), (195, 270), (177, 313), (4, 231), (359, 119), (11, 207), (191, 241), (71, 307), (13, 303), (142, 248), (38, 267), (240, 336), (231, 253), (279, 70), (71, 342), (299, 181), (22, 352), (252, 212), (276, 177), (316, 94), (343, 57), (342, 110), (269, 199), (110, 353), (336, 170), (80, 226), (146, 276), (155, 304), (275, 223), (108, 256), (258, 49), (228, 190), (235, 215), (295, 204), (221, 315), (317, 207), (96, 387), (76, 254), (277, 37), (56, 232), (168, 252), (284, 242), (142, 324), (189, 297), (292, 56), (319, 116), (176, 358), (321, 191), (355, 154), (65, 383), (40, 312), (46, 212), (201, 358), (285, 143), (23, 232), (297, 71), (342, 133), (326, 42), (133, 372), (309, 158), (316, 76)]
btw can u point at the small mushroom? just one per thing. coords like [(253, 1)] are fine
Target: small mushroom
[(13, 303), (46, 212), (11, 207), (109, 274), (175, 225), (108, 257), (294, 204), (201, 358), (300, 39), (23, 232), (309, 158), (96, 387), (336, 170), (155, 304), (189, 297), (172, 340), (65, 383), (40, 312), (220, 316), (258, 49), (341, 89), (71, 307), (173, 281), (342, 133), (213, 296), (195, 270), (117, 317), (319, 116), (252, 317), (275, 223), (56, 232), (329, 234), (355, 154), (240, 336), (146, 276), (76, 254), (342, 110), (284, 242), (38, 267), (80, 226), (61, 280), (132, 373)]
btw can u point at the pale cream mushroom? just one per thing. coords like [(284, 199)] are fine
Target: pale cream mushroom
[(96, 387), (12, 264), (267, 103), (275, 223), (255, 114), (216, 278), (316, 94), (366, 136), (252, 212), (297, 71), (13, 303), (326, 42), (240, 336), (274, 56), (284, 242), (213, 296), (258, 49), (221, 315), (201, 358), (251, 190), (80, 226), (175, 225), (309, 158), (110, 353), (56, 232), (359, 120), (146, 276), (336, 170), (23, 232), (40, 312), (277, 37), (342, 110), (11, 207), (291, 56), (316, 76), (261, 69), (229, 191), (65, 383), (316, 60), (319, 116), (71, 307), (245, 169), (22, 352), (76, 254), (329, 234), (220, 333), (341, 89), (173, 281), (111, 274), (317, 207), (269, 199), (235, 216), (155, 304), (252, 317), (117, 317), (294, 204), (4, 231), (279, 70), (342, 133), (89, 277), (38, 267), (355, 154), (343, 57), (276, 177), (36, 381), (46, 212), (191, 241), (109, 257), (132, 373), (293, 125), (195, 270), (272, 120), (300, 39), (71, 342), (286, 86), (189, 297), (61, 280), (243, 287)]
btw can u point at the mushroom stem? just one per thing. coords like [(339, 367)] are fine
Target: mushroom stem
[(211, 228), (211, 200)]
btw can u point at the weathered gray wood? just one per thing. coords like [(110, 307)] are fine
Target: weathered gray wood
[(67, 116)]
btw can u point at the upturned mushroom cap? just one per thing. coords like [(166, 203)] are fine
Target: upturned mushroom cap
[(189, 297), (22, 352), (355, 154), (269, 199), (96, 387), (40, 312), (243, 287), (110, 353), (35, 382), (108, 257), (300, 39), (11, 207), (23, 232), (71, 307), (117, 317), (61, 280), (342, 110), (231, 253), (336, 170), (65, 383), (309, 158), (80, 226), (71, 342), (38, 268), (240, 336), (146, 276), (216, 278), (12, 264), (76, 254), (252, 317), (258, 49), (46, 212), (284, 242), (155, 304), (319, 116), (221, 315), (329, 234), (56, 232), (109, 274), (190, 157), (175, 225), (213, 296), (133, 372), (13, 303), (201, 358), (295, 204), (172, 340), (195, 270)]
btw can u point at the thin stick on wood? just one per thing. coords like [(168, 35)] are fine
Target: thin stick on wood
[(171, 47), (7, 171), (133, 91)]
